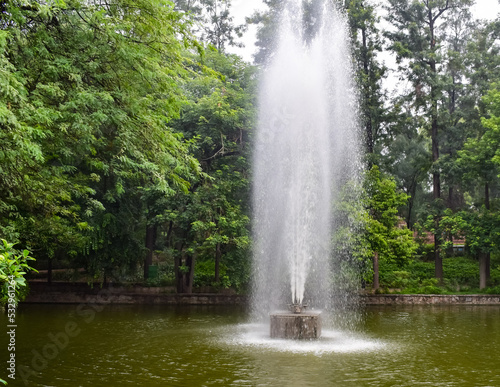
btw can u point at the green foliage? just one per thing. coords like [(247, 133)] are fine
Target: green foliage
[(166, 275), (351, 250), (212, 220), (462, 271), (367, 44), (214, 22), (204, 275), (13, 266), (428, 286), (490, 141), (461, 275), (369, 223), (267, 23), (417, 277), (425, 251), (89, 91), (481, 229), (393, 243)]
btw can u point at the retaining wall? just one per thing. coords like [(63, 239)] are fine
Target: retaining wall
[(65, 293), (434, 299), (75, 293)]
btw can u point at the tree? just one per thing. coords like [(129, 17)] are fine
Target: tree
[(407, 160), (415, 38), (386, 238), (214, 22), (477, 161), (370, 229), (490, 140), (13, 266), (267, 22), (94, 109), (210, 224), (369, 72)]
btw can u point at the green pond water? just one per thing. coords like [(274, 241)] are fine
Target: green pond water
[(71, 345)]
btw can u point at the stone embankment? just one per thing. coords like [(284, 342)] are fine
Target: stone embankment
[(74, 293), (431, 299), (69, 293)]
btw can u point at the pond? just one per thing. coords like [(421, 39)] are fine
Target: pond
[(116, 345)]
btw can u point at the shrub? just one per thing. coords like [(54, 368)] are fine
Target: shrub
[(462, 270), (166, 275), (204, 274), (421, 270), (13, 267), (425, 251)]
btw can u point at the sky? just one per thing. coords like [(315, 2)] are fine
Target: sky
[(242, 9), (483, 9)]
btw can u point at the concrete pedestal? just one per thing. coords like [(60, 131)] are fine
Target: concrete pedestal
[(296, 325)]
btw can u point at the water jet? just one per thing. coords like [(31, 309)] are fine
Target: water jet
[(306, 152)]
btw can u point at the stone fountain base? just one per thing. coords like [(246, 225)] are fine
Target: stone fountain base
[(305, 325)]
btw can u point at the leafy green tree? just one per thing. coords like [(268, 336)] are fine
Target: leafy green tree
[(215, 24), (387, 239), (416, 39), (369, 229), (367, 42), (478, 221), (482, 65), (455, 117), (490, 140), (481, 229), (94, 89), (403, 152), (211, 222), (13, 266), (267, 22)]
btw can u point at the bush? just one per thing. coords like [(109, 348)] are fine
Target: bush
[(493, 290), (461, 274), (425, 251), (166, 275), (397, 279), (204, 274), (427, 286), (461, 270), (13, 267), (421, 270)]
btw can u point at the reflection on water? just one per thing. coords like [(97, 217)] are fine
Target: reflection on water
[(215, 346)]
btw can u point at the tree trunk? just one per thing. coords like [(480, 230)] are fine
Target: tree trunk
[(438, 266), (376, 283), (436, 191), (411, 202), (178, 274), (185, 277), (217, 263), (189, 276), (485, 261), (49, 272), (484, 266), (487, 195), (150, 246), (368, 123), (436, 178), (488, 268)]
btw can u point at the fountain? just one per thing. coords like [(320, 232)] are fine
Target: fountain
[(306, 152), (297, 324)]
